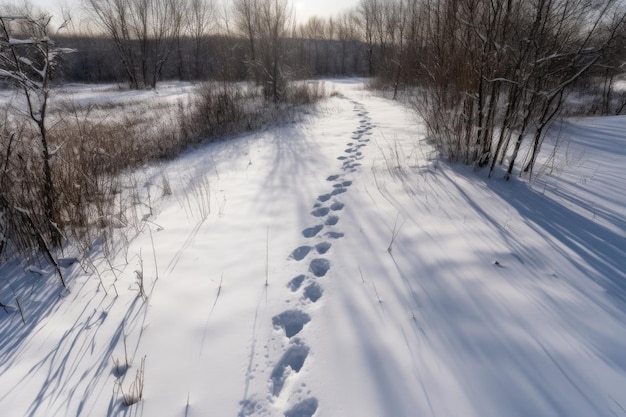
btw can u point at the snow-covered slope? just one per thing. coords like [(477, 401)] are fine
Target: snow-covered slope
[(333, 267)]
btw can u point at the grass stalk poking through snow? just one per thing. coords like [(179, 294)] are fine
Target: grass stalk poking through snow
[(156, 266), (135, 390), (139, 275), (395, 232), (19, 307), (267, 256), (206, 325)]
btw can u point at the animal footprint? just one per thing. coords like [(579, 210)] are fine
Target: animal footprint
[(292, 321), (293, 358), (337, 206), (313, 292), (332, 178), (312, 231), (334, 235), (323, 247), (324, 197), (320, 212), (331, 221), (295, 283), (305, 408), (319, 267), (300, 253)]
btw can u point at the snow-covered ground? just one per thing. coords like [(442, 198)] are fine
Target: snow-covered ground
[(334, 267)]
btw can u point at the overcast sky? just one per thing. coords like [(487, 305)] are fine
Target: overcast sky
[(303, 8)]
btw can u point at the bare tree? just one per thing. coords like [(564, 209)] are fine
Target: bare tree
[(144, 32), (200, 22), (28, 58), (368, 11), (114, 18), (246, 21), (266, 24), (497, 72), (166, 20)]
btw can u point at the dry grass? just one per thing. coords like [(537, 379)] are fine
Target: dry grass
[(95, 146)]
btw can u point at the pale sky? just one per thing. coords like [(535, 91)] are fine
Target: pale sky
[(303, 8), (321, 8)]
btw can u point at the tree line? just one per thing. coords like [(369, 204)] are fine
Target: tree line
[(493, 75), (490, 72), (141, 42), (488, 77)]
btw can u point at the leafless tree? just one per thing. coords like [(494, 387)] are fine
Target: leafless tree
[(144, 32), (266, 24), (200, 22), (497, 73), (245, 15), (28, 58)]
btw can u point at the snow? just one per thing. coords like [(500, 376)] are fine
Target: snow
[(335, 267)]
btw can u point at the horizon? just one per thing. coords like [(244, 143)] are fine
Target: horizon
[(303, 9)]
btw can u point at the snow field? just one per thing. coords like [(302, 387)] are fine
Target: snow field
[(334, 267)]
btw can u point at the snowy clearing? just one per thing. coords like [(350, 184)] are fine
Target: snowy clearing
[(334, 267)]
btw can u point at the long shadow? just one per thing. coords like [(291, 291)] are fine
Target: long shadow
[(24, 311), (601, 252), (66, 384)]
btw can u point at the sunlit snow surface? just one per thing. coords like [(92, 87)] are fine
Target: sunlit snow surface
[(342, 270)]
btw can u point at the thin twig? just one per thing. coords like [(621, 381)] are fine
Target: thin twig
[(19, 307), (267, 256)]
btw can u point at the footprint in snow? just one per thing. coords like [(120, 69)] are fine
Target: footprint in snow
[(248, 408), (324, 197), (295, 283), (336, 206), (312, 231), (322, 247), (342, 158), (332, 178), (313, 292), (335, 235), (320, 212), (291, 321), (319, 267), (305, 408), (300, 253), (338, 191), (331, 221), (293, 358), (346, 183)]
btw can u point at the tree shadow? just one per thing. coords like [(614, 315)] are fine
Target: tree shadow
[(76, 369)]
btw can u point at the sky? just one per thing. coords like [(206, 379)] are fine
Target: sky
[(303, 8), (322, 8)]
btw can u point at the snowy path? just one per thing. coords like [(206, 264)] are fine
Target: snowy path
[(258, 326), (333, 268)]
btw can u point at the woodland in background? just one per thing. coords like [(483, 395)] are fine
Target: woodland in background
[(488, 77), (489, 73)]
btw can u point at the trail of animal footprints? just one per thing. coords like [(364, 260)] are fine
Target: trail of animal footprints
[(326, 211)]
